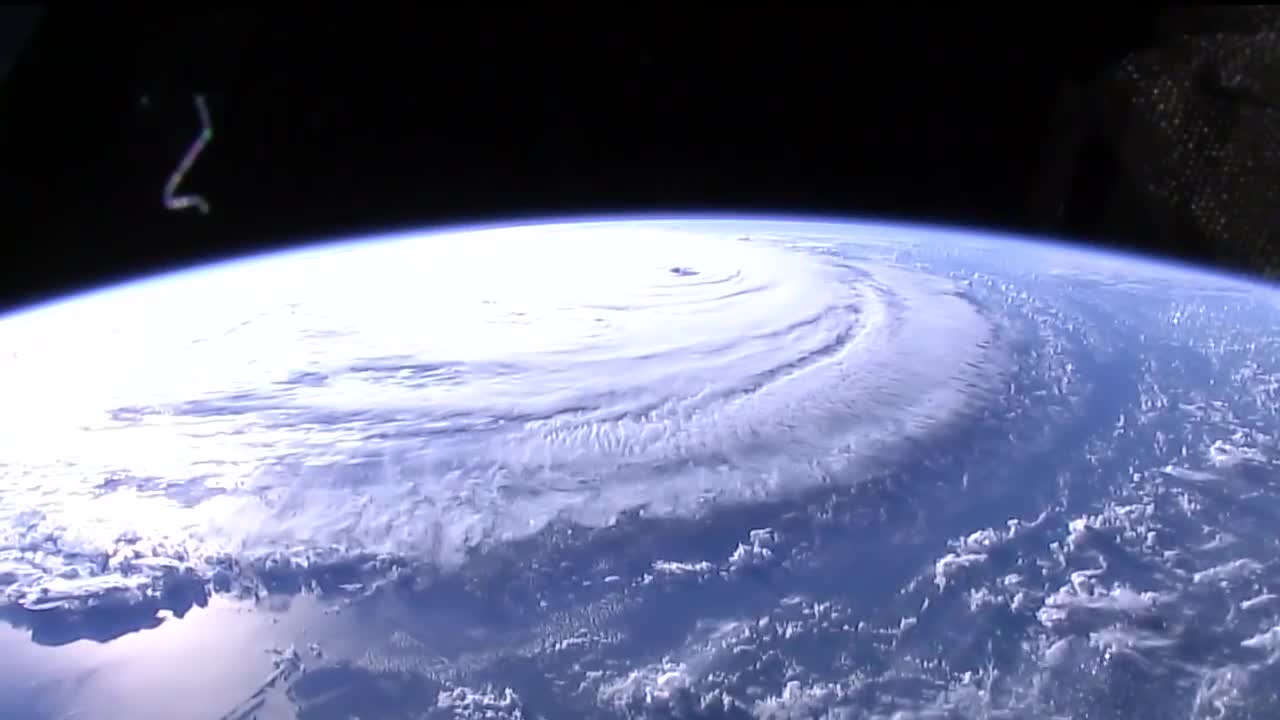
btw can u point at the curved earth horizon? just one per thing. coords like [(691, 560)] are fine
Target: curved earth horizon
[(646, 467)]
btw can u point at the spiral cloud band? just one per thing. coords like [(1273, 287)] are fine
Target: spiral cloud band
[(424, 395)]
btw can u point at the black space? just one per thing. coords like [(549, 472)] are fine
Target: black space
[(333, 122)]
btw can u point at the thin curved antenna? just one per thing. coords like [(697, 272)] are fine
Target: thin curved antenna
[(182, 202)]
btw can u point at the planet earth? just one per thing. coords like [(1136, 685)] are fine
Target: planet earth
[(689, 467)]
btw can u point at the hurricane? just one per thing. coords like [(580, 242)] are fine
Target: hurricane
[(426, 395)]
